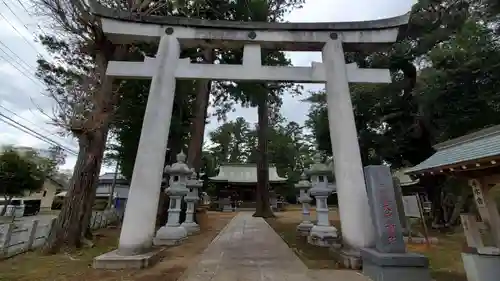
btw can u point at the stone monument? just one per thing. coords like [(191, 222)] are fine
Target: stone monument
[(173, 34), (191, 198), (389, 260), (173, 233), (322, 234), (303, 186)]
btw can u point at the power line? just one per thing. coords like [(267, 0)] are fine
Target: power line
[(14, 53), (18, 32), (25, 25), (33, 133), (35, 136), (29, 13), (23, 64), (15, 15), (20, 117), (40, 137), (20, 71)]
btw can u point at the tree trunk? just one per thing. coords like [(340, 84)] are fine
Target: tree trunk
[(457, 209), (263, 206), (76, 211), (200, 115), (74, 219)]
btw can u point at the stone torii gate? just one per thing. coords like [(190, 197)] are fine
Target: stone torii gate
[(173, 34)]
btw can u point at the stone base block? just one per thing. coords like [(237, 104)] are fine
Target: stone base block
[(323, 236), (481, 267), (170, 235), (112, 260), (321, 241), (392, 267), (168, 242), (191, 227), (348, 258), (420, 240), (303, 229)]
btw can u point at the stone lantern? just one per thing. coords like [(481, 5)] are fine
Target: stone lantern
[(322, 233), (303, 186), (173, 233), (193, 185)]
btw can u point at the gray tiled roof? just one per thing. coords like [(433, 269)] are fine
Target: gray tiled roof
[(244, 173), (475, 146)]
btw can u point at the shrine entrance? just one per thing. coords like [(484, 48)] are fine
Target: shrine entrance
[(174, 34)]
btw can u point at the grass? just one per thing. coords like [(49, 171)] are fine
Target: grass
[(314, 257), (77, 266), (445, 258), (285, 225)]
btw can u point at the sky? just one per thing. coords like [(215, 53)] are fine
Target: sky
[(23, 100)]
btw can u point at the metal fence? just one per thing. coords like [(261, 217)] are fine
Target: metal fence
[(22, 236)]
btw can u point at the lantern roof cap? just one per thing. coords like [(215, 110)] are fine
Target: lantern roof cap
[(303, 183), (180, 167), (319, 168)]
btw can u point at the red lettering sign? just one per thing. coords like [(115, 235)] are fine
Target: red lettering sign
[(391, 239), (391, 228), (387, 209)]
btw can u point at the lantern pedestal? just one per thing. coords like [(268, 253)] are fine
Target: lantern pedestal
[(172, 233), (191, 198), (304, 228), (168, 235), (303, 186)]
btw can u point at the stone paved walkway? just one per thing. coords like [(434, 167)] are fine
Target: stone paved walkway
[(248, 249)]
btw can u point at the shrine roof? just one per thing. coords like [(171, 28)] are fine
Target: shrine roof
[(478, 150), (244, 173), (404, 179)]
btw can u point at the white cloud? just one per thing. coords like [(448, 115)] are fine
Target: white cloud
[(22, 93)]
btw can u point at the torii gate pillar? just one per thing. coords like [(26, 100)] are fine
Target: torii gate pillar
[(355, 218)]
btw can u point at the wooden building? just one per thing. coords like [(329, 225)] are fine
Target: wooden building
[(476, 158), (240, 181)]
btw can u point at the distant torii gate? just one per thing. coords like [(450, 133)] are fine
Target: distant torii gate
[(173, 34)]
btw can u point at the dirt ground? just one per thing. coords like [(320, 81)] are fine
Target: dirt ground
[(445, 259), (78, 266)]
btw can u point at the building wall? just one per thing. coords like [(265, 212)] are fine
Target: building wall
[(120, 190), (46, 194)]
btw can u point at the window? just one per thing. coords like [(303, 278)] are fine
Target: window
[(15, 202)]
